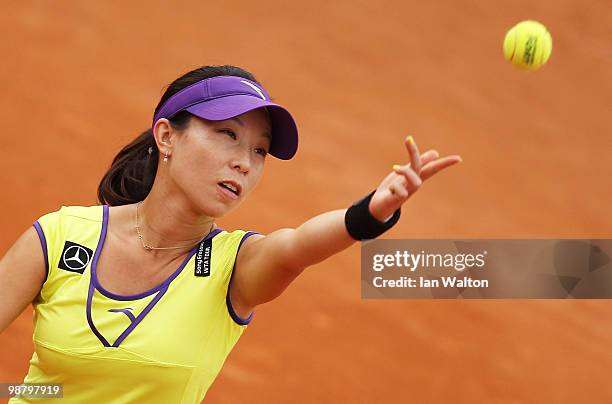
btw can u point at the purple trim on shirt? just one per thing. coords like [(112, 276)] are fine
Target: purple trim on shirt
[(43, 242), (237, 319), (140, 317), (163, 285), (127, 312), (162, 288), (90, 293)]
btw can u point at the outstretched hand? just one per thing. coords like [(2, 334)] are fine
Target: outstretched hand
[(405, 180)]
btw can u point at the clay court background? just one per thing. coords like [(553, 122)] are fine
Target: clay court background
[(80, 79)]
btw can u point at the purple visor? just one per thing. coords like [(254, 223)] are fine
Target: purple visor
[(224, 97)]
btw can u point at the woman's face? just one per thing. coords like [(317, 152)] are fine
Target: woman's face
[(216, 164)]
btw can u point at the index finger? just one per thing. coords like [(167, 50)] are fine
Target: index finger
[(413, 151)]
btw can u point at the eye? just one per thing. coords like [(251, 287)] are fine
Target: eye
[(229, 132), (263, 152)]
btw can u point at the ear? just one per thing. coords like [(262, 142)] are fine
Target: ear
[(164, 136)]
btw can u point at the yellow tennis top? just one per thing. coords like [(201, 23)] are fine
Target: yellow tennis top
[(165, 345)]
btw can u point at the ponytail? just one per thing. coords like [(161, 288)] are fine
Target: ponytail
[(130, 177)]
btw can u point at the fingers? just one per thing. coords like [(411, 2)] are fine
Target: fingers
[(436, 166), (420, 168), (413, 151), (429, 155), (408, 181)]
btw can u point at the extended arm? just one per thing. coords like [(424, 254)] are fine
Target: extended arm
[(266, 265)]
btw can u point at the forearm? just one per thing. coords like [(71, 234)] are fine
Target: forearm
[(318, 239)]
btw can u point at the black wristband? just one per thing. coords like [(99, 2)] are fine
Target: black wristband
[(360, 223)]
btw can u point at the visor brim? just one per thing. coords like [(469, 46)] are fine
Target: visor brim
[(284, 130)]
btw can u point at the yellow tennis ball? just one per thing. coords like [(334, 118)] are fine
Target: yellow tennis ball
[(528, 45)]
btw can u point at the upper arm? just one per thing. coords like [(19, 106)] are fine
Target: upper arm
[(260, 274), (22, 273)]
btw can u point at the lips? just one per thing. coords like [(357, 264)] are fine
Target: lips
[(231, 187)]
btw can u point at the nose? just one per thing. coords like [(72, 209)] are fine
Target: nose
[(242, 161)]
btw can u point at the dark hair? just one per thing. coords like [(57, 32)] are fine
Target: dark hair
[(132, 172)]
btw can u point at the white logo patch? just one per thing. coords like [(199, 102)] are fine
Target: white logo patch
[(76, 257), (254, 87)]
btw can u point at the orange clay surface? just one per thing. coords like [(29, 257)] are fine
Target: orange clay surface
[(80, 79)]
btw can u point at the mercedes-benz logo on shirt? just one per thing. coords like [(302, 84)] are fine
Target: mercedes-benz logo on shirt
[(75, 257)]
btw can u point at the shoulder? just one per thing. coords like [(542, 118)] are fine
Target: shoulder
[(248, 244), (94, 213), (237, 239), (230, 246), (67, 217), (251, 238), (236, 246)]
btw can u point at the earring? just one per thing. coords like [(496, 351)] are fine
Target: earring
[(165, 157)]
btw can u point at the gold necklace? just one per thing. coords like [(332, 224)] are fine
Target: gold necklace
[(150, 248)]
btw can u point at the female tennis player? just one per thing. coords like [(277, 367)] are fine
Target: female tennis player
[(141, 298)]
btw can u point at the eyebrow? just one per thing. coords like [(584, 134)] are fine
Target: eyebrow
[(265, 134)]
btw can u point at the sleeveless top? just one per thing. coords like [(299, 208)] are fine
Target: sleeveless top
[(165, 345)]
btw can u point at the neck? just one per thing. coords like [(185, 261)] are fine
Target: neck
[(166, 222)]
